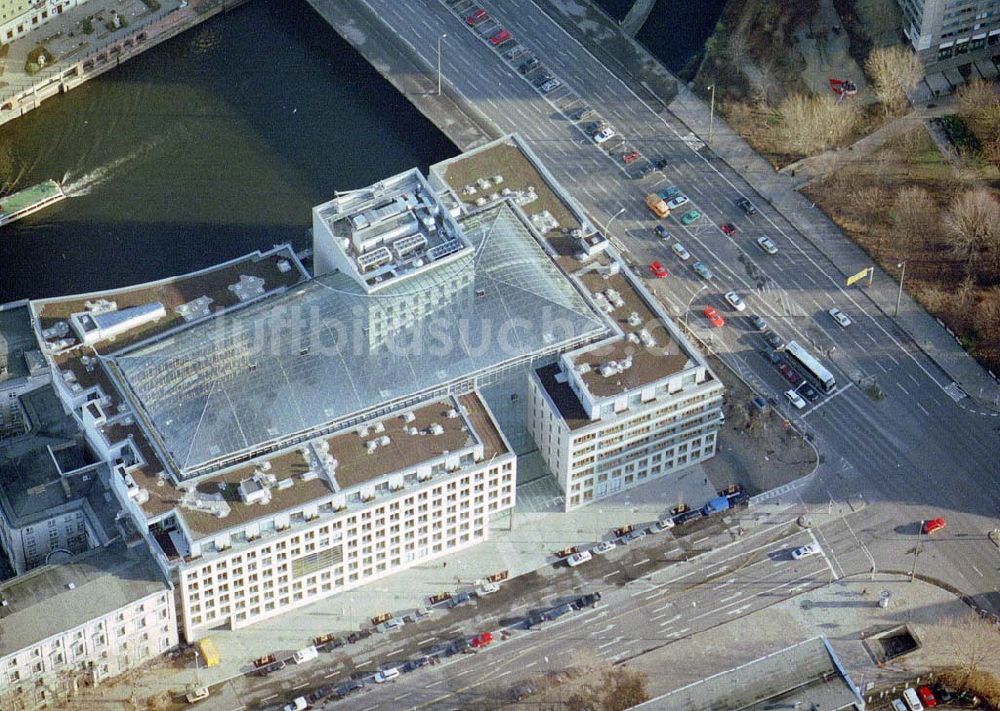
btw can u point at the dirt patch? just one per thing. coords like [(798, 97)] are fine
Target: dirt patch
[(757, 450)]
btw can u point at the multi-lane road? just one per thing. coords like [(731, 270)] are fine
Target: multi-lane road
[(913, 455)]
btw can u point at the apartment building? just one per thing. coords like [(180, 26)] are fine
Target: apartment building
[(19, 17), (952, 33), (22, 366), (82, 621), (638, 406)]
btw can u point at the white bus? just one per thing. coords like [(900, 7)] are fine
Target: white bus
[(804, 359)]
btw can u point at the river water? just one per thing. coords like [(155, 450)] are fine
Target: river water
[(206, 147), (219, 142)]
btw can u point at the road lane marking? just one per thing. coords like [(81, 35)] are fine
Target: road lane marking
[(664, 607), (978, 571), (738, 610), (732, 597), (302, 685), (610, 574), (923, 410), (393, 652), (616, 640), (331, 675), (641, 562), (431, 639), (403, 696), (902, 388)]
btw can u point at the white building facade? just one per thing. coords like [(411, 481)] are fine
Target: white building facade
[(19, 17)]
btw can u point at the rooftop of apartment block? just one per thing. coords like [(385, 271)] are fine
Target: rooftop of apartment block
[(16, 340), (55, 598)]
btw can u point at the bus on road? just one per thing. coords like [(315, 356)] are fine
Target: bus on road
[(812, 367)]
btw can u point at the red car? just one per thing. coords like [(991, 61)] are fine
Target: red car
[(729, 228), (481, 640), (926, 696), (630, 157), (500, 37), (788, 374), (935, 524), (658, 271), (713, 316), (477, 16)]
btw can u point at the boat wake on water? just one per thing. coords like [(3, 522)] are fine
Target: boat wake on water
[(75, 186)]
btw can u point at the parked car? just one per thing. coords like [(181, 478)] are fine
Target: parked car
[(528, 64), (713, 317), (633, 536), (690, 217), (550, 85), (926, 696), (500, 37), (808, 392), (630, 157), (746, 206), (757, 322), (661, 164), (481, 640), (603, 547), (658, 271), (935, 524), (671, 192), (793, 397), (476, 16), (759, 404), (661, 232), (541, 79), (677, 202), (941, 693), (766, 244), (514, 52), (680, 251), (578, 559), (487, 588), (588, 600), (734, 300), (806, 551), (388, 674), (393, 623), (728, 228), (899, 705), (912, 700), (774, 340), (840, 317), (196, 694), (459, 599), (790, 375), (582, 113), (603, 135), (701, 270)]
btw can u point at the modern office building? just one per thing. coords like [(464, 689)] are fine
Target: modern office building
[(952, 33), (19, 17)]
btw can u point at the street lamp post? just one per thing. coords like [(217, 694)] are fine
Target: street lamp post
[(899, 294), (916, 551), (711, 113), (607, 225), (439, 62), (690, 301)]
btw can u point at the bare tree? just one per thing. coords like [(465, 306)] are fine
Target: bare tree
[(914, 215), (972, 226), (814, 123), (894, 71), (979, 106), (974, 645)]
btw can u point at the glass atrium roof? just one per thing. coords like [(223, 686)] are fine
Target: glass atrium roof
[(328, 350)]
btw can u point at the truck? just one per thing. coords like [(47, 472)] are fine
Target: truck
[(327, 642), (719, 503), (657, 206), (209, 654)]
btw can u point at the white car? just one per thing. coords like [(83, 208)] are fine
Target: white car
[(677, 202), (384, 675), (487, 589), (796, 399), (765, 243), (605, 134), (840, 317), (578, 559), (604, 547), (680, 251), (735, 301), (806, 551), (912, 700)]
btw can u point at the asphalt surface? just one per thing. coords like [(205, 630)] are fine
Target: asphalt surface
[(912, 455)]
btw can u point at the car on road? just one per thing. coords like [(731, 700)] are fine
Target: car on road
[(476, 16), (790, 375), (808, 392), (578, 559), (690, 217), (746, 206), (661, 232), (767, 244), (757, 322), (912, 700), (926, 696), (728, 228), (774, 340), (483, 639), (935, 524), (676, 202), (806, 551), (795, 399), (603, 547), (840, 317), (588, 600), (500, 37), (298, 704), (680, 251), (630, 157), (701, 270), (528, 64), (384, 675), (603, 134), (550, 85), (713, 317), (734, 300), (658, 271)]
